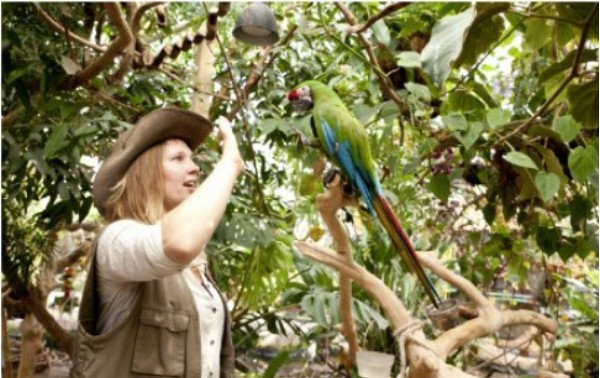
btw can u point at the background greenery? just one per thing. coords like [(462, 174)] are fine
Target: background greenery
[(489, 149)]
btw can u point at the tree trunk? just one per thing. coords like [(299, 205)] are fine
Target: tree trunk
[(31, 345)]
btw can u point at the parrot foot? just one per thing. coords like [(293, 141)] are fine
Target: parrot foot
[(328, 178), (303, 140), (347, 188)]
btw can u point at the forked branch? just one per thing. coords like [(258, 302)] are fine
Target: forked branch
[(425, 358)]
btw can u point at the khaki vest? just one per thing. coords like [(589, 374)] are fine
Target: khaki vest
[(160, 338)]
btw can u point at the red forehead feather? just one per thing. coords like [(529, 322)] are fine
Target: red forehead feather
[(293, 95)]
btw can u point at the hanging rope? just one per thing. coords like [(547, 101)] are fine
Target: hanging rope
[(403, 334)]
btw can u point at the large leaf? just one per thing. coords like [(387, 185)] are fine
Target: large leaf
[(381, 32), (520, 160), (556, 68), (567, 127), (583, 100), (446, 43), (440, 187), (548, 239), (548, 184), (465, 102), (497, 117), (552, 164), (538, 32), (583, 162), (419, 90), (485, 31), (409, 59), (469, 137)]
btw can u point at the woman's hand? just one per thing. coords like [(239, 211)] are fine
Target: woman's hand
[(187, 228), (231, 153)]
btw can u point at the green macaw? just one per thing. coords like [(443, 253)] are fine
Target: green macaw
[(345, 141)]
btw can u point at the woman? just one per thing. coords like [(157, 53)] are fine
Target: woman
[(149, 307)]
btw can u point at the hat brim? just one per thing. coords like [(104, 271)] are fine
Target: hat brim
[(155, 127)]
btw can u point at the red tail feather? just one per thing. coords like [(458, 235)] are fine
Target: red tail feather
[(401, 241)]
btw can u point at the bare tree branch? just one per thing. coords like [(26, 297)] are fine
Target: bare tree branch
[(61, 29), (391, 8)]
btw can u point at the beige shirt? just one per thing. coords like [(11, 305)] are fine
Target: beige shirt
[(130, 252)]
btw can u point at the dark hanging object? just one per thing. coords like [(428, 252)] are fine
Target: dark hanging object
[(256, 25)]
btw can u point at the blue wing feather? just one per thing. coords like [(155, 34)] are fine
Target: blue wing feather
[(341, 152)]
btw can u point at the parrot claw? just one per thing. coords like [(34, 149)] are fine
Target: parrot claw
[(348, 189), (329, 176)]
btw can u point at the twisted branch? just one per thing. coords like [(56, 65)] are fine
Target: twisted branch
[(426, 358)]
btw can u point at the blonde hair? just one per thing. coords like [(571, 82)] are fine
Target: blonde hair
[(139, 194)]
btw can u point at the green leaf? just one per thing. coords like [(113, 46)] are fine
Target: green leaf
[(538, 32), (489, 212), (580, 208), (276, 363), (56, 141), (364, 112), (470, 136), (547, 239), (567, 127), (583, 162), (548, 184), (455, 122), (381, 32), (419, 90), (482, 92), (409, 59), (440, 187), (497, 117), (485, 31), (463, 101), (446, 43), (556, 68), (567, 248), (543, 131), (583, 101), (552, 164), (520, 160)]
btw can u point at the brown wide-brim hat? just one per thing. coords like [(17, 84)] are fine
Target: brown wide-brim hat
[(155, 127)]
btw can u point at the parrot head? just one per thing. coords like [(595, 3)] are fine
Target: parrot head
[(301, 98)]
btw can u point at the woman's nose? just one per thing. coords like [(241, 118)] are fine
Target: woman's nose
[(194, 168)]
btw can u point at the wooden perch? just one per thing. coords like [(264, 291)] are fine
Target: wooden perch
[(328, 205), (425, 358)]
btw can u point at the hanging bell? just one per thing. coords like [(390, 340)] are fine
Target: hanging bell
[(256, 25)]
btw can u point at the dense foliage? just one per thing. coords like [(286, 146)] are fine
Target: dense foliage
[(483, 121)]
